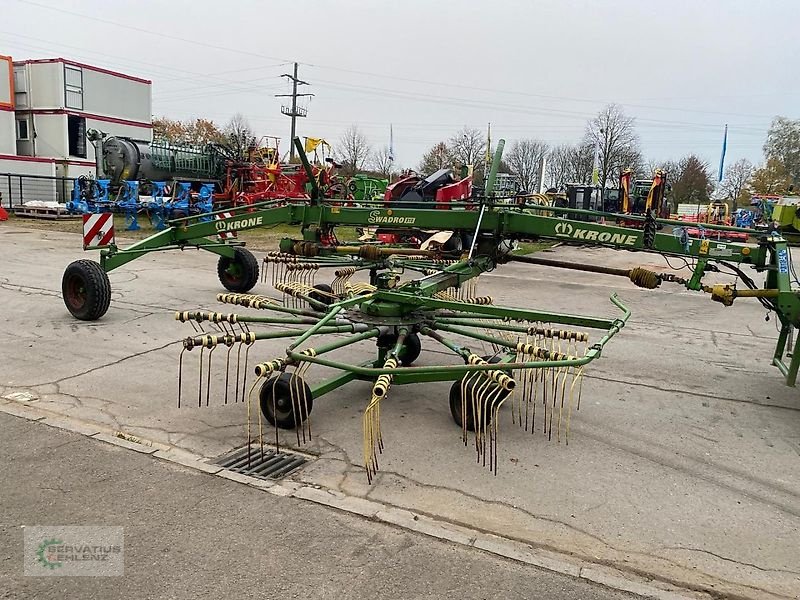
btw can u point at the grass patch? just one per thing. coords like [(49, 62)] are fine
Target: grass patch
[(531, 247)]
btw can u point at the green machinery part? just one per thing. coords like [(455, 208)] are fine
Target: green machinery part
[(489, 222), (534, 358)]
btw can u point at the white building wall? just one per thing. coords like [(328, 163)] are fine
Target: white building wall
[(27, 167), (45, 85), (51, 136), (7, 133), (111, 95)]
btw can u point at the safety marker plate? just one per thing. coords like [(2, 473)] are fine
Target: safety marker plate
[(269, 465), (98, 230), (225, 235)]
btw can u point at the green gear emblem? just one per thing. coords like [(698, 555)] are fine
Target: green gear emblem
[(41, 553)]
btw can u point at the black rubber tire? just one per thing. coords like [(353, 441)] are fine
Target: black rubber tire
[(276, 402), (454, 244), (324, 298), (411, 348), (455, 401), (238, 274), (86, 290)]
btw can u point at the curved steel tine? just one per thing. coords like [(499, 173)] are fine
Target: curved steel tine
[(208, 376), (180, 375)]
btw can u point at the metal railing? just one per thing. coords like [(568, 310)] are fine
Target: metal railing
[(16, 189)]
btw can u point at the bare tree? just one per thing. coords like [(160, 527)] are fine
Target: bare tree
[(614, 134), (468, 147), (353, 150), (438, 157), (736, 182), (581, 161), (238, 135), (558, 166), (382, 161), (525, 162)]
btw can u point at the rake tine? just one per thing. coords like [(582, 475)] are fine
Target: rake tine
[(274, 412), (200, 380), (244, 378), (208, 375), (180, 375), (227, 370), (238, 365)]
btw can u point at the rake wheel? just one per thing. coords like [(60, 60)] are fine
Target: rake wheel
[(412, 347), (323, 297), (278, 405), (456, 400)]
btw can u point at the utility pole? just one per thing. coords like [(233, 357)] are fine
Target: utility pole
[(293, 111)]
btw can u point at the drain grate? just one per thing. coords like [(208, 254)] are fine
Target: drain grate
[(269, 465)]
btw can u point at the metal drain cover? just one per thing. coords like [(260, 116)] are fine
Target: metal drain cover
[(267, 465)]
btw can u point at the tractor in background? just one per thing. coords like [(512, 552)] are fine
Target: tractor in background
[(641, 196)]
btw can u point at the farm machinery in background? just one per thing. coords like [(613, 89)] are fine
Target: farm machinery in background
[(399, 297), (640, 197), (167, 180), (713, 213)]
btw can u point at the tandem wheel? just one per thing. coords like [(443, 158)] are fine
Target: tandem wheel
[(86, 290), (240, 273)]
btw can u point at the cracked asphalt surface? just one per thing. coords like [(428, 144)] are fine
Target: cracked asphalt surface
[(192, 535), (682, 463)]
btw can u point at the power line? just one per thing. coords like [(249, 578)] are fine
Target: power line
[(125, 60), (294, 111), (482, 104), (162, 36), (529, 94)]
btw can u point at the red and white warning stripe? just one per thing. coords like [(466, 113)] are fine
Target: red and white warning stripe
[(98, 230), (225, 235)]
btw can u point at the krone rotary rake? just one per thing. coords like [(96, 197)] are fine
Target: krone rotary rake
[(533, 361), (401, 298)]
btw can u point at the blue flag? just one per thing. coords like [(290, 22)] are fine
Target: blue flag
[(724, 149)]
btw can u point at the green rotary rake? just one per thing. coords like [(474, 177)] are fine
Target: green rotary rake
[(402, 299), (531, 360)]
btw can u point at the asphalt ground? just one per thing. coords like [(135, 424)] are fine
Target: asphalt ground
[(682, 463), (194, 535)]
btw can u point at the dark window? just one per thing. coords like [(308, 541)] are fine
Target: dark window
[(22, 129), (76, 133)]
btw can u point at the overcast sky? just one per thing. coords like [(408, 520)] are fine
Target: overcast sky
[(532, 68)]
